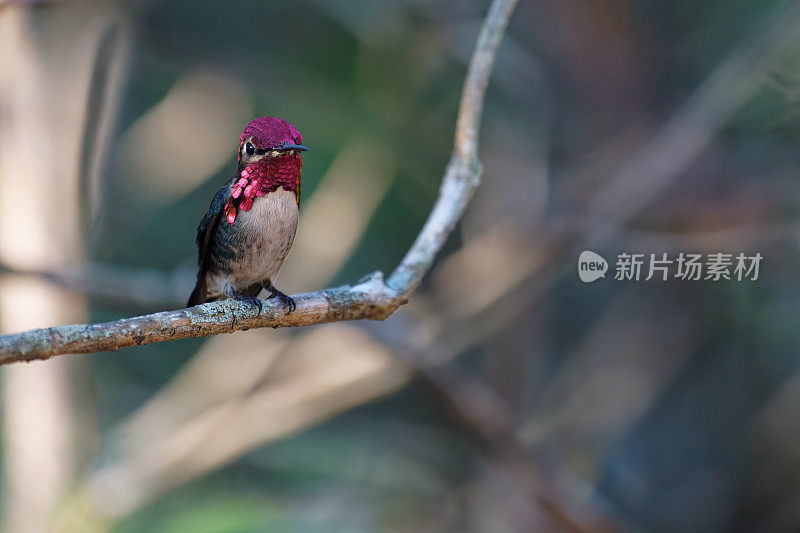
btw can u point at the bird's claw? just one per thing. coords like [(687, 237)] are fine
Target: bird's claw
[(252, 300), (287, 301)]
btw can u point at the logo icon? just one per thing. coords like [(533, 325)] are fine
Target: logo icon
[(591, 266)]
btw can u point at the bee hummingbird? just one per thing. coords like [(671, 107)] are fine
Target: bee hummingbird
[(250, 225)]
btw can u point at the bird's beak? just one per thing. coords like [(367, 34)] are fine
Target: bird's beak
[(289, 146)]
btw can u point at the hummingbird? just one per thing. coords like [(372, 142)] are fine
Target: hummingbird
[(251, 223)]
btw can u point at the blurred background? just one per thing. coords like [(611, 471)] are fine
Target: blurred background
[(508, 395)]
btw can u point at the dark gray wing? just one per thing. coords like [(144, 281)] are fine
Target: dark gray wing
[(209, 224), (205, 231)]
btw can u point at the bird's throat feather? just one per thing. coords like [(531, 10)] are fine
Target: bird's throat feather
[(262, 177)]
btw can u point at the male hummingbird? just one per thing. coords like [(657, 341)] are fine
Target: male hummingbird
[(250, 226)]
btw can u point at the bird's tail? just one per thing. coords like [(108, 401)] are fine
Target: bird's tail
[(199, 293)]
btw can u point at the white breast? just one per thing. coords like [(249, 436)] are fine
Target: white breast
[(270, 225)]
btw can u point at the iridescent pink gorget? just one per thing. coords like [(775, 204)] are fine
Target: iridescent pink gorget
[(264, 176)]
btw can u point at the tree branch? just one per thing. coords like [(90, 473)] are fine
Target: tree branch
[(370, 299)]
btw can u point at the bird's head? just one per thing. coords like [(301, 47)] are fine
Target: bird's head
[(268, 137), (269, 158)]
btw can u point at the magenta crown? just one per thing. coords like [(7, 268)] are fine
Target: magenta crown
[(271, 132)]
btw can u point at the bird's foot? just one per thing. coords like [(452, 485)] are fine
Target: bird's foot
[(287, 301), (252, 300)]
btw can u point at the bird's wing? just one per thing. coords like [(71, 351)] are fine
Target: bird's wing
[(209, 224)]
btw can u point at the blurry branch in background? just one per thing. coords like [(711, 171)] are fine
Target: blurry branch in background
[(302, 391), (8, 3), (371, 299), (637, 178), (44, 442), (689, 131), (119, 284), (103, 98)]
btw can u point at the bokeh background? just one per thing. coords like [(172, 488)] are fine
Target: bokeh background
[(508, 396)]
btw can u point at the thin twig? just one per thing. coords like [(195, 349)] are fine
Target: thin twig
[(120, 285), (371, 299), (464, 171)]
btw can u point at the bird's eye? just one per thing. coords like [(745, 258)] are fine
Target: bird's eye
[(249, 149)]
